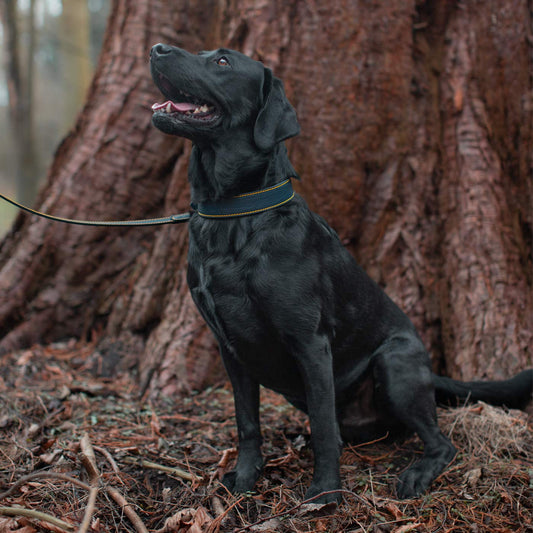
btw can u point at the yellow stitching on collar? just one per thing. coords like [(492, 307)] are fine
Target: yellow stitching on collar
[(250, 212)]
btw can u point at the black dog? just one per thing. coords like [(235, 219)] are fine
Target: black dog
[(288, 305)]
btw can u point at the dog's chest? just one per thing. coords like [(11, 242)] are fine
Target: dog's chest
[(221, 277), (222, 287)]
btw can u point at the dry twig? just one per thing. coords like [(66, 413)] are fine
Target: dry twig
[(128, 510), (43, 475), (109, 459), (214, 527), (162, 468), (36, 515), (88, 460)]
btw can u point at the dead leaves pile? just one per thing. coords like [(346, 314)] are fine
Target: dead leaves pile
[(81, 454)]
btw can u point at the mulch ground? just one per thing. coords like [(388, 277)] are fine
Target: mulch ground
[(83, 454)]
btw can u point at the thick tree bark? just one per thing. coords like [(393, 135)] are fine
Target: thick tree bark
[(59, 280), (485, 197), (415, 145)]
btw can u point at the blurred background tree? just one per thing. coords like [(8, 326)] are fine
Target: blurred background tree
[(416, 145), (48, 49)]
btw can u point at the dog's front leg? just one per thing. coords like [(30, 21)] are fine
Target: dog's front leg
[(315, 363), (246, 395)]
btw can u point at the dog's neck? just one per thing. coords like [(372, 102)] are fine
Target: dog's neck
[(219, 170)]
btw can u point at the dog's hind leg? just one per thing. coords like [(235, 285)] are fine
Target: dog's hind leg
[(246, 394), (404, 385)]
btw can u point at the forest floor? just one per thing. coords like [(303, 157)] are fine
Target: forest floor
[(156, 466)]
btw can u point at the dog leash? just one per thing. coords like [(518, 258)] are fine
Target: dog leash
[(241, 205), (172, 219)]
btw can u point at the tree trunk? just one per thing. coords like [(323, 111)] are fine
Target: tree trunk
[(415, 145)]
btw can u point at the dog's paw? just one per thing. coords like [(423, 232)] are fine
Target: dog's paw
[(416, 479), (238, 483), (411, 484), (322, 494), (419, 476)]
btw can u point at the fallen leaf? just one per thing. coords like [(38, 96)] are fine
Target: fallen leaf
[(266, 527), (187, 521), (49, 458), (472, 477), (317, 509), (406, 528), (11, 525), (394, 510)]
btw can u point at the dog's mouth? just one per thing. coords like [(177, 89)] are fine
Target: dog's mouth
[(185, 107), (182, 112), (198, 111)]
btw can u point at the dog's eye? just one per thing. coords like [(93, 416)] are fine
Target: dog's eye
[(223, 62)]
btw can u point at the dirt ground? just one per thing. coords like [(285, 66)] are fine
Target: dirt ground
[(80, 453)]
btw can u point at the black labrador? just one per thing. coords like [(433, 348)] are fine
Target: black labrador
[(289, 306)]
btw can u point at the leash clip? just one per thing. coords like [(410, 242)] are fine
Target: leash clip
[(183, 217)]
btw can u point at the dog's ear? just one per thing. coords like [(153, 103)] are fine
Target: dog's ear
[(276, 120)]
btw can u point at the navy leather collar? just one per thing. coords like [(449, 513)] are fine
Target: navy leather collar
[(248, 203)]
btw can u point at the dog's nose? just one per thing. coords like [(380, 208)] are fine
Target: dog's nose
[(160, 49)]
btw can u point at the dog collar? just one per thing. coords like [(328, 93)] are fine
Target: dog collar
[(248, 203)]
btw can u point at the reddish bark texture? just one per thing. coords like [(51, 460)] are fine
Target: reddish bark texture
[(416, 146), (483, 196)]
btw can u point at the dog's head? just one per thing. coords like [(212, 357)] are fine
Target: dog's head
[(219, 91)]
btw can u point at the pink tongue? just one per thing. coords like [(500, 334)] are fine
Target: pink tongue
[(180, 106), (183, 106)]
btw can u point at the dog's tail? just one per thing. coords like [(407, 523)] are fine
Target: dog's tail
[(514, 393)]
